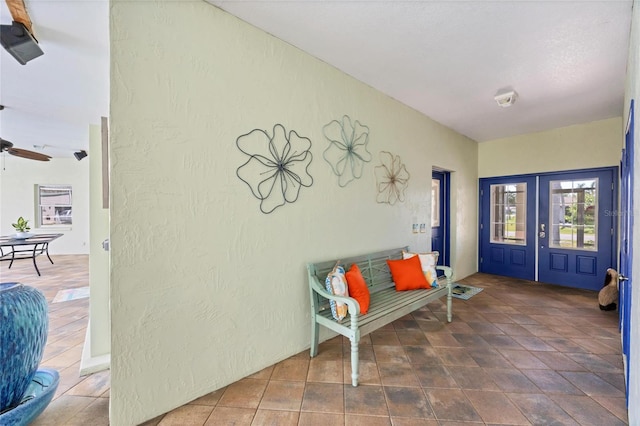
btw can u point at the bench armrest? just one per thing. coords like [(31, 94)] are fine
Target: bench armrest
[(352, 304), (448, 272)]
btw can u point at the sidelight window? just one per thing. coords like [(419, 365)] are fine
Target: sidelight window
[(435, 203)]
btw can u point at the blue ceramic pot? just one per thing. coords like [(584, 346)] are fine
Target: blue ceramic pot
[(37, 397), (23, 334)]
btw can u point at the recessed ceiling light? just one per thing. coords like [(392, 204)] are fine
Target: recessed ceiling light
[(506, 99)]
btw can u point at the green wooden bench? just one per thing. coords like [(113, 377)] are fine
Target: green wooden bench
[(386, 306)]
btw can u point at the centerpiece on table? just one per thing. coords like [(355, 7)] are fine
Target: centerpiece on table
[(22, 228)]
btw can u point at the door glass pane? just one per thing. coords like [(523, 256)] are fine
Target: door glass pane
[(573, 215), (509, 213), (435, 203)]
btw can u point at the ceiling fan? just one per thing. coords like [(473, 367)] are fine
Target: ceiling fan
[(7, 146)]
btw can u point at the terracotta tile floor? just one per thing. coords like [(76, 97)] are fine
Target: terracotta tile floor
[(518, 353)]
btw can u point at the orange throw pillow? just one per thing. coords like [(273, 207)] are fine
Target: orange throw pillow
[(407, 274), (358, 288)]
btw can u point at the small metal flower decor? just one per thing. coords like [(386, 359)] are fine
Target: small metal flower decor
[(347, 151), (277, 167), (392, 179)]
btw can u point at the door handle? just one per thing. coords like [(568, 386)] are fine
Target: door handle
[(622, 278)]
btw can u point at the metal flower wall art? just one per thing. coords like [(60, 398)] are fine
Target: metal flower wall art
[(347, 152), (278, 166), (392, 178)]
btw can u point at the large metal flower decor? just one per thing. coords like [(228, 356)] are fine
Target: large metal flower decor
[(277, 167), (392, 178), (347, 152)]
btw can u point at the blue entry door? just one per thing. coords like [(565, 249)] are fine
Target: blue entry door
[(577, 227), (626, 246), (440, 216), (507, 226)]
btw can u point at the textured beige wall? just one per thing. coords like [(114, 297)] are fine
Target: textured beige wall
[(595, 144), (206, 289)]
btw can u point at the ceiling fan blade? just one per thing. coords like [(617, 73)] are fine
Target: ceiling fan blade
[(19, 13), (23, 153)]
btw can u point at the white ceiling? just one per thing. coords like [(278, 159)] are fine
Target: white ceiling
[(53, 98), (447, 59)]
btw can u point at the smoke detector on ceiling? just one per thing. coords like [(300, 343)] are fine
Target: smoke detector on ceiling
[(506, 99)]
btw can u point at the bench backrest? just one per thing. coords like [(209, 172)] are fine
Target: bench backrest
[(373, 266)]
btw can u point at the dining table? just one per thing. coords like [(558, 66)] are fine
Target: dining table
[(13, 248)]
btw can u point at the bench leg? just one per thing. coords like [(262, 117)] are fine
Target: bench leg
[(354, 362), (314, 337), (448, 273)]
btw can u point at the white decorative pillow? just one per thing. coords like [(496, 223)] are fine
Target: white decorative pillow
[(337, 284), (428, 261)]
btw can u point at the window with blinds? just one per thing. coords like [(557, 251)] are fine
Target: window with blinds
[(54, 205)]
